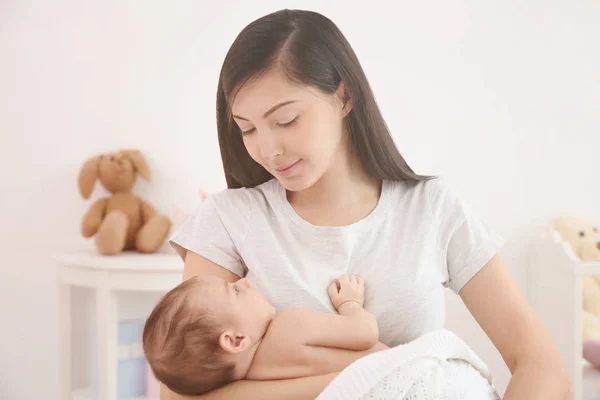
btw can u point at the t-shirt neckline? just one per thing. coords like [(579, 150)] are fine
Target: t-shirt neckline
[(360, 225)]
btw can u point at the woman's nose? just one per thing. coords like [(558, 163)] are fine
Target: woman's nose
[(270, 146)]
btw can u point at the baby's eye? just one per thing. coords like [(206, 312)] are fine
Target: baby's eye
[(236, 289)]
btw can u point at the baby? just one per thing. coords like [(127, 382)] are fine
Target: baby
[(207, 332)]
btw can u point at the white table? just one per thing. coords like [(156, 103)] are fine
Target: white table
[(107, 275)]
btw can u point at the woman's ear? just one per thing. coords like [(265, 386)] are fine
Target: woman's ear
[(139, 163), (345, 99), (88, 175), (234, 342)]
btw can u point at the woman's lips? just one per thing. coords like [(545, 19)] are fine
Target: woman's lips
[(288, 170)]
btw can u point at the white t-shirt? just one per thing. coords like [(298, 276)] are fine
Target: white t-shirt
[(420, 238)]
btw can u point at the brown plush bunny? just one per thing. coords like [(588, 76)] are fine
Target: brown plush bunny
[(122, 221)]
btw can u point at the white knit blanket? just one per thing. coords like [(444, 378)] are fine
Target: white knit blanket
[(437, 365)]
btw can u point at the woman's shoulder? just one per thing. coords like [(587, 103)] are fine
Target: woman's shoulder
[(231, 209), (243, 199), (429, 189), (433, 196)]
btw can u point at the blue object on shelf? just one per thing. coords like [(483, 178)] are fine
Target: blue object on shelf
[(131, 367), (131, 331), (132, 379)]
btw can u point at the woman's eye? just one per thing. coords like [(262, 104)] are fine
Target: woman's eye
[(292, 122), (283, 125)]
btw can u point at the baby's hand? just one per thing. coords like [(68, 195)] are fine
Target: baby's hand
[(347, 289)]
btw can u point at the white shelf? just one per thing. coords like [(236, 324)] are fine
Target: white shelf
[(554, 278), (90, 394), (108, 277), (156, 262), (588, 268), (579, 267)]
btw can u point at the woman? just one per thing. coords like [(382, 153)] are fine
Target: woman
[(317, 188)]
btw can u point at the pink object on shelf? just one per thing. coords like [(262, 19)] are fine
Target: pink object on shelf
[(591, 352), (152, 385)]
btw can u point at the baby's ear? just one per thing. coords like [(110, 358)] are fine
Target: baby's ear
[(88, 175), (234, 342)]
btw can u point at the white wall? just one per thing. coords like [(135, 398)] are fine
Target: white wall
[(502, 99)]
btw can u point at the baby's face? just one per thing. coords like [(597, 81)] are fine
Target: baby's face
[(241, 306)]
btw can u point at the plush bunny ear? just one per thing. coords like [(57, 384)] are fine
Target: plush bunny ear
[(139, 163), (88, 175)]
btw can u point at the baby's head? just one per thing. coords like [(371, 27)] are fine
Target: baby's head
[(200, 332)]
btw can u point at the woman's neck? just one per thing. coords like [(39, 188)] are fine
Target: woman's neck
[(343, 195)]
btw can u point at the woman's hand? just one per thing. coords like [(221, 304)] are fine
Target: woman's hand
[(502, 312)]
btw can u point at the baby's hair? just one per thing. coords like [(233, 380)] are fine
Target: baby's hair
[(181, 343)]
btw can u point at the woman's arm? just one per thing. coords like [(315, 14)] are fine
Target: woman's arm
[(289, 389), (497, 305)]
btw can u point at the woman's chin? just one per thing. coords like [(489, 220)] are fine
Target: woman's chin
[(295, 184)]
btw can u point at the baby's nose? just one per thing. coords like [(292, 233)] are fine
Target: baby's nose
[(244, 283)]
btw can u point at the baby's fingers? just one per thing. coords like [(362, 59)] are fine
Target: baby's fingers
[(360, 281), (357, 280), (333, 289)]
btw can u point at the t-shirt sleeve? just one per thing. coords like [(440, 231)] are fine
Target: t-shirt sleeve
[(209, 233), (465, 241)]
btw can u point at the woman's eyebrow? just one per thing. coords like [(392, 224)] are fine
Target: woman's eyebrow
[(270, 110)]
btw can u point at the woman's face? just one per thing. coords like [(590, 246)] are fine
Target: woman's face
[(295, 132)]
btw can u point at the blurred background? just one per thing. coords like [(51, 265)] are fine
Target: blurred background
[(501, 98)]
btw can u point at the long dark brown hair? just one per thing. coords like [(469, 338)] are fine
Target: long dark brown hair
[(311, 50)]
